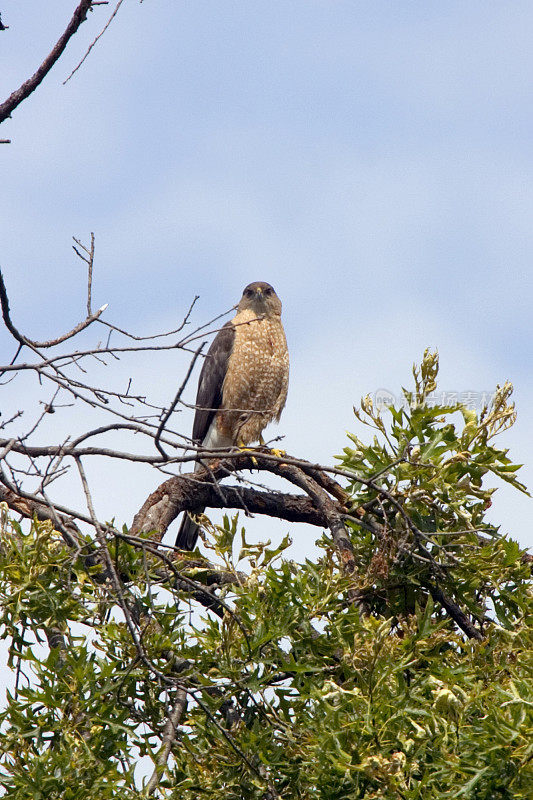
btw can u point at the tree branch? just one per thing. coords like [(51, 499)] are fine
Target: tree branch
[(24, 91), (169, 737), (176, 400), (456, 613), (30, 508)]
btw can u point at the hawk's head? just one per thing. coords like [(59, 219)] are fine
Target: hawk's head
[(260, 298)]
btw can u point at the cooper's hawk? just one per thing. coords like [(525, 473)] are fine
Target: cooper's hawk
[(243, 383)]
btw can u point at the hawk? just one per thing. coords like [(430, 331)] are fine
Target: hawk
[(243, 383)]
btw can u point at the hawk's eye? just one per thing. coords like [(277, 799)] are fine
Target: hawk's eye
[(269, 290), (248, 292)]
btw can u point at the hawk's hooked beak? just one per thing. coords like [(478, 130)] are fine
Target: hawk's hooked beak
[(261, 299)]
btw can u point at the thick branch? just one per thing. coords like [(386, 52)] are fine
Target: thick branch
[(202, 489), (195, 490), (185, 493), (24, 91)]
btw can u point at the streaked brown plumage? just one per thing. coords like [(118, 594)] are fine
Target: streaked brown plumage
[(243, 383)]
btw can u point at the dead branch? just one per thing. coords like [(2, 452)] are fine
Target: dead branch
[(29, 86), (89, 260), (165, 333), (188, 492), (176, 400)]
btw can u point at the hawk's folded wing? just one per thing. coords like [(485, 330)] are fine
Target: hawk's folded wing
[(211, 382)]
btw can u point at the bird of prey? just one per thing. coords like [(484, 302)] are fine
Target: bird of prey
[(243, 383)]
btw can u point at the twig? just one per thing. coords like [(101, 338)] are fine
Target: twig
[(110, 20), (231, 741), (188, 582), (176, 401), (30, 506), (89, 261), (167, 333)]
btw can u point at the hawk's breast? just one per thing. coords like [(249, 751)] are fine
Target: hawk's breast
[(257, 378)]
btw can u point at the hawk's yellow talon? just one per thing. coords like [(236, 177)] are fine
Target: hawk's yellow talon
[(278, 453), (248, 450)]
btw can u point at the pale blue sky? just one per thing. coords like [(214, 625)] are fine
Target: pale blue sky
[(373, 161)]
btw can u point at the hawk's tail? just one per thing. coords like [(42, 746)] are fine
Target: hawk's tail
[(188, 532)]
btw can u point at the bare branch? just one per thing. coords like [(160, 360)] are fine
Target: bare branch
[(176, 401), (89, 260), (166, 333), (24, 91)]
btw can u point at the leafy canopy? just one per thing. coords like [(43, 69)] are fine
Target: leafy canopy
[(309, 683)]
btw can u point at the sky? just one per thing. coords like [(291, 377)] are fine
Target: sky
[(372, 161)]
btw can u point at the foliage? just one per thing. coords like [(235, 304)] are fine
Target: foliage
[(295, 689)]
